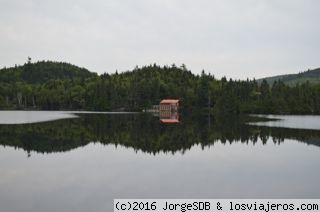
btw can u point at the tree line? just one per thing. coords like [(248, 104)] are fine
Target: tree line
[(48, 85)]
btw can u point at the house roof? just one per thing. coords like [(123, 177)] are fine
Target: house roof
[(169, 101)]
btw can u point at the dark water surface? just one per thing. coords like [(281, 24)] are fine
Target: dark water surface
[(82, 164)]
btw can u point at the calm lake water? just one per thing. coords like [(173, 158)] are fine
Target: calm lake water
[(82, 162)]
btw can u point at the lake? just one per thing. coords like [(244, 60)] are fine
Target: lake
[(68, 161)]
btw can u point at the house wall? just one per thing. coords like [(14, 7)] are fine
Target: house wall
[(169, 106)]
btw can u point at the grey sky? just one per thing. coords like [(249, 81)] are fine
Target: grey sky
[(233, 38)]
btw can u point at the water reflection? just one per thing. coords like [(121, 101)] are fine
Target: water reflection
[(197, 158), (145, 133), (290, 121), (28, 117), (169, 116)]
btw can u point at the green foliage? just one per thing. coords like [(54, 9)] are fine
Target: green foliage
[(62, 86), (313, 76)]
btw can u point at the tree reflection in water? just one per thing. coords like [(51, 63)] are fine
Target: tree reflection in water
[(144, 132)]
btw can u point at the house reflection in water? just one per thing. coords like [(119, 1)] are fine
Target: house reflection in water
[(169, 117), (168, 111)]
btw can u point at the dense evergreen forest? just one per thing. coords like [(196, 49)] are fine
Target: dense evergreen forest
[(50, 85)]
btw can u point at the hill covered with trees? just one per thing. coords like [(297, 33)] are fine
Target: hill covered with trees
[(50, 85), (43, 71), (313, 76)]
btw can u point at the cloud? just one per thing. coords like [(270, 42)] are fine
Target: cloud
[(237, 39)]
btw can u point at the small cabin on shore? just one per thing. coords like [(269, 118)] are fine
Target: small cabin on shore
[(169, 105)]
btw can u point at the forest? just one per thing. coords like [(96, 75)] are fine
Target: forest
[(48, 85)]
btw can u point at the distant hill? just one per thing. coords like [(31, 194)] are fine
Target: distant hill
[(43, 71), (313, 76)]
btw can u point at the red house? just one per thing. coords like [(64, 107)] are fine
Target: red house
[(168, 111), (169, 105)]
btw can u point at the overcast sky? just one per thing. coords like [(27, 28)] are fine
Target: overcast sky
[(233, 38)]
